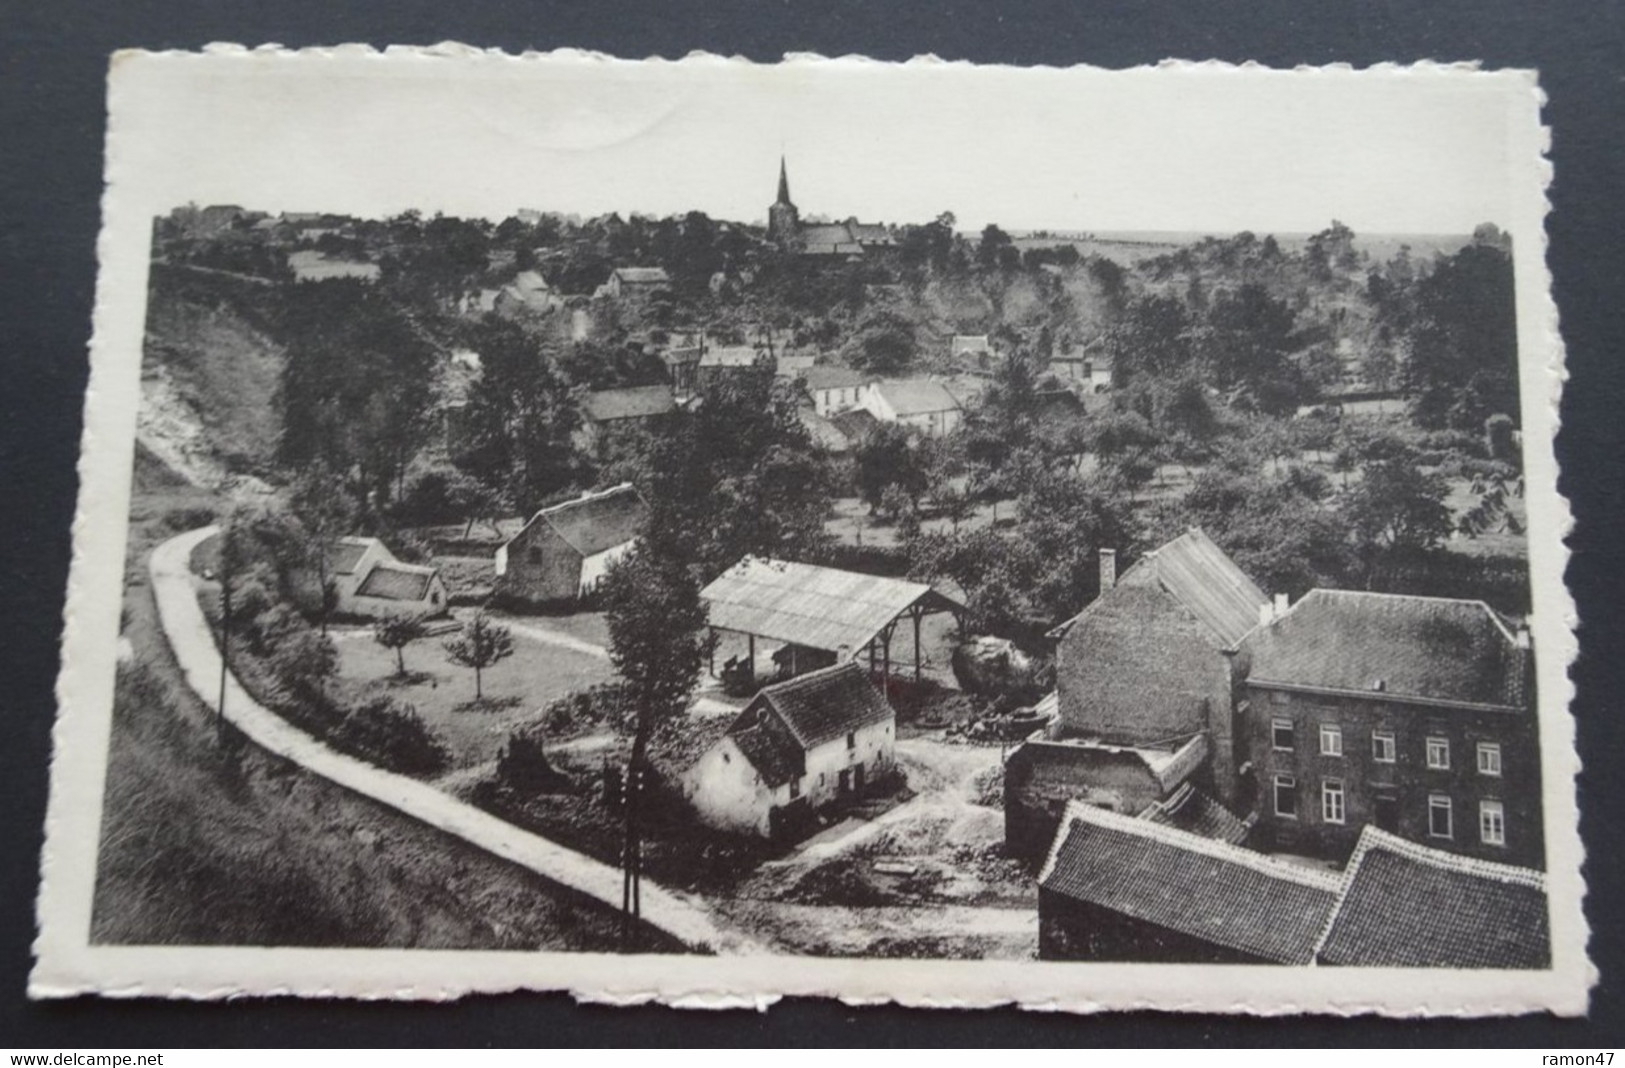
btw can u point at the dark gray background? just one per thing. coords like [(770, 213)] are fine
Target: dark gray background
[(52, 61)]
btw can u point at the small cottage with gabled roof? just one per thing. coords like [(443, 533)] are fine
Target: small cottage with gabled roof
[(1121, 888), (799, 746), (368, 581), (564, 551), (1404, 905)]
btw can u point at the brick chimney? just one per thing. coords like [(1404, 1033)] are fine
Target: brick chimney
[(1108, 569)]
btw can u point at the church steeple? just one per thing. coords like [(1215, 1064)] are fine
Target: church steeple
[(783, 220), (784, 184)]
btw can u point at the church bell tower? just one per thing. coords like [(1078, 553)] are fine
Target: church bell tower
[(783, 220)]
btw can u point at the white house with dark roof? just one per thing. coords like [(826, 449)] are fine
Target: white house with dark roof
[(799, 746), (368, 581), (835, 389), (563, 552)]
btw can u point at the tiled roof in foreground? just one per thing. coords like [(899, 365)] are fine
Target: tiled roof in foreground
[(1205, 889), (1407, 906)]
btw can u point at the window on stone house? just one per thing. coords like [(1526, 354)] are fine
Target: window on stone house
[(1439, 817), (1383, 747), (795, 788), (1331, 801), (851, 739), (1439, 754), (1489, 758), (1492, 824), (1281, 734), (1331, 740), (1286, 796)]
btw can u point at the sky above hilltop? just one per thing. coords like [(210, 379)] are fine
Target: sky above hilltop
[(1200, 150)]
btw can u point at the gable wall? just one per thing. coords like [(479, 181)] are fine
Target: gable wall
[(541, 567)]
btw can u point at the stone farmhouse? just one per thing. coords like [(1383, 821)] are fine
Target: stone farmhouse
[(1409, 713), (1292, 727), (800, 746), (1152, 660), (561, 555), (370, 583)]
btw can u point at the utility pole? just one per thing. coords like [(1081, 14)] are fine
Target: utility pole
[(225, 650)]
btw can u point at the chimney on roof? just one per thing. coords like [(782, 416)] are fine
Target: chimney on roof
[(1520, 638), (1281, 605), (1266, 614), (1108, 569)]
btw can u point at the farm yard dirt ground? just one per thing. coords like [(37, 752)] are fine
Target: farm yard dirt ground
[(963, 898)]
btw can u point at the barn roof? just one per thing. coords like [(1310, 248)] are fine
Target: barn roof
[(1197, 574), (394, 581), (633, 402), (595, 522), (823, 705), (817, 607), (1427, 648), (1407, 906), (916, 396), (1206, 889)]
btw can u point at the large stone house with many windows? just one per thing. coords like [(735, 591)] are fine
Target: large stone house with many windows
[(1413, 714)]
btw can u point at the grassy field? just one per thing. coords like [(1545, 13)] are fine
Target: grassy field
[(517, 690)]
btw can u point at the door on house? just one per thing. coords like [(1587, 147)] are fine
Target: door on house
[(857, 777), (843, 782), (1385, 812)]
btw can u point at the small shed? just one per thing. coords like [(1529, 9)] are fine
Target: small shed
[(368, 581)]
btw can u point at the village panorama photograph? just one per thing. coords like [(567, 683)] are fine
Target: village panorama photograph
[(807, 573)]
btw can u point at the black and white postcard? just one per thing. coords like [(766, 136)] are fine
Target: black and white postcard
[(705, 532)]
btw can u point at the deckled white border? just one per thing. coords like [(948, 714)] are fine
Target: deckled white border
[(68, 966)]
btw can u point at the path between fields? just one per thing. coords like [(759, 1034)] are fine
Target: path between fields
[(188, 633)]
